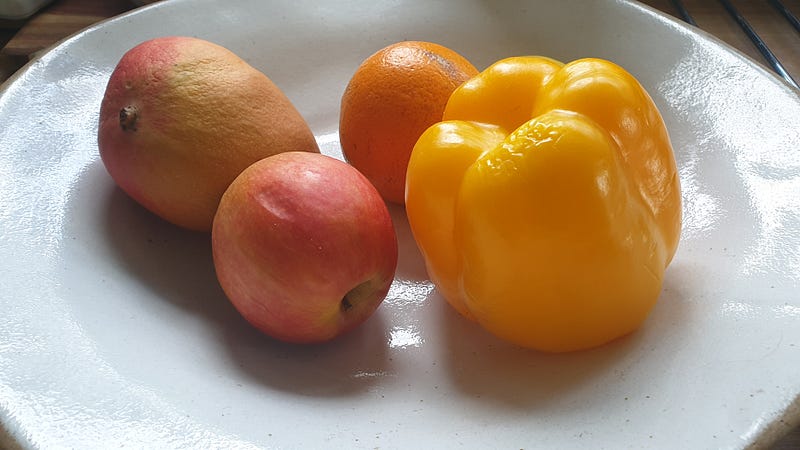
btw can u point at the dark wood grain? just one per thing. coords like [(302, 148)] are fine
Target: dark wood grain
[(59, 20), (771, 26)]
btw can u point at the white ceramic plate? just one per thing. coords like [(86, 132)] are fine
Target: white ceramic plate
[(114, 331)]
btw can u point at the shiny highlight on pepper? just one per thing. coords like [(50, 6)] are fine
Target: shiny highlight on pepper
[(547, 202)]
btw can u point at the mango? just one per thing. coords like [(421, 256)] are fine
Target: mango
[(182, 117)]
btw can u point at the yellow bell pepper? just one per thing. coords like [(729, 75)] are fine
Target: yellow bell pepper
[(547, 202)]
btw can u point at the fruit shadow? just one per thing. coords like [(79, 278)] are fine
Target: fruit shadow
[(176, 265), (508, 377), (410, 265), (492, 371)]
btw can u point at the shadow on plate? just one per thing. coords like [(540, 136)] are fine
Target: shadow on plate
[(492, 371), (177, 266), (410, 265)]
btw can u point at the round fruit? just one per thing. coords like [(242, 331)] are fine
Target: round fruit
[(182, 117), (304, 246), (393, 97)]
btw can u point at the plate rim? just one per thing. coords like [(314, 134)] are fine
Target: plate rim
[(790, 416)]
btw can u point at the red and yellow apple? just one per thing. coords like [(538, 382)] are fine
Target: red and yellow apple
[(304, 246)]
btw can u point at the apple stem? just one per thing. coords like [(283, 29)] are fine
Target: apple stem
[(128, 117), (356, 293)]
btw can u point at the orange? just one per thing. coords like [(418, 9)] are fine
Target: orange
[(393, 97)]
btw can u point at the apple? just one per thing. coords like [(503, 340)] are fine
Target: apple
[(304, 246)]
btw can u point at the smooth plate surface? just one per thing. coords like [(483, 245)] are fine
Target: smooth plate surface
[(115, 333)]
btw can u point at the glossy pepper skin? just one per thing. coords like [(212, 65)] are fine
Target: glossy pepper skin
[(547, 202)]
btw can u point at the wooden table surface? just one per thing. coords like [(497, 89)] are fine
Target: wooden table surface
[(22, 40)]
